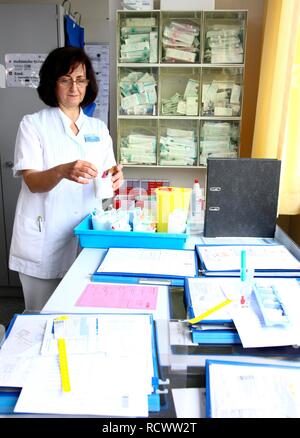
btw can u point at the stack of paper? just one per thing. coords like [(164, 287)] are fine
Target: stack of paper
[(109, 358), (148, 262), (266, 260), (203, 294)]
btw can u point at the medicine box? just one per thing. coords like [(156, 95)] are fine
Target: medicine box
[(90, 238)]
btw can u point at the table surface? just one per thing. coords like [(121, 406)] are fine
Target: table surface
[(182, 364)]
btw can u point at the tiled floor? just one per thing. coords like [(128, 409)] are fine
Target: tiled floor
[(8, 307)]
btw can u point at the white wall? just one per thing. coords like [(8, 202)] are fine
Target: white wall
[(94, 16)]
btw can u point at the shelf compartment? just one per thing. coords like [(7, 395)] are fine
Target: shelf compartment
[(137, 40), (137, 141), (178, 142), (179, 91), (137, 91), (180, 38), (221, 93), (219, 139), (224, 37)]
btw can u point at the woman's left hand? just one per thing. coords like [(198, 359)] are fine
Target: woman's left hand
[(117, 178)]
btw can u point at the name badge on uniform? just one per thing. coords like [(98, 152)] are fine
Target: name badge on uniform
[(91, 137)]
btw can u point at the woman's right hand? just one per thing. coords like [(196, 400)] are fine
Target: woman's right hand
[(43, 181), (79, 171)]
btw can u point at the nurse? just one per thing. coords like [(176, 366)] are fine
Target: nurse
[(58, 152)]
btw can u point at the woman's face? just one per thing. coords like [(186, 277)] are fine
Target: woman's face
[(70, 88)]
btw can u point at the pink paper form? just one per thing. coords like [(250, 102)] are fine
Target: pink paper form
[(122, 296)]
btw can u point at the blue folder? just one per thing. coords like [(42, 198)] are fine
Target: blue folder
[(9, 396), (210, 362), (204, 332), (144, 278), (215, 336), (259, 272)]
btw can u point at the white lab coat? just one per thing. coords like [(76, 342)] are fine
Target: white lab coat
[(43, 244)]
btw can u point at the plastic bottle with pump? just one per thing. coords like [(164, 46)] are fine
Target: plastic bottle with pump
[(196, 220)]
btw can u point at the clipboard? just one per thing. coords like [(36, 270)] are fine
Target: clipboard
[(290, 268), (135, 277), (211, 395), (9, 396)]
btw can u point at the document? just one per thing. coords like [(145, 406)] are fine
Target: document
[(272, 258), (20, 348), (189, 402), (97, 387), (179, 333), (238, 241), (205, 293), (247, 390), (110, 359), (119, 296), (156, 262), (26, 335), (248, 320), (22, 69)]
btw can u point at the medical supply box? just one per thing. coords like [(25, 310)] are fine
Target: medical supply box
[(90, 238)]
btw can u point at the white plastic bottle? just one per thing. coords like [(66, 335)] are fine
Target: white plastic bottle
[(196, 221), (196, 198)]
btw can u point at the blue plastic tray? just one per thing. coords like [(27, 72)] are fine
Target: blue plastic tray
[(90, 238)]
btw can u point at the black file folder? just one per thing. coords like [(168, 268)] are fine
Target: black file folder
[(241, 197)]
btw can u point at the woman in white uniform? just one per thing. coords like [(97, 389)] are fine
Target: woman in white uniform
[(59, 150)]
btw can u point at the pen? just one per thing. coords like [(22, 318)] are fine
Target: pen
[(208, 312), (243, 265), (243, 275)]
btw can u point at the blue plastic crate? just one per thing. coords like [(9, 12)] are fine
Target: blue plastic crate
[(90, 238)]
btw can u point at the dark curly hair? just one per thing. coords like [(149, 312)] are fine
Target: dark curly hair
[(60, 62)]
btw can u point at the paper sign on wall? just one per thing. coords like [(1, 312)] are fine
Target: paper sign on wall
[(99, 55), (22, 69)]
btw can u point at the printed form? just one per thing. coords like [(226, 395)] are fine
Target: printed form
[(245, 391), (177, 263), (110, 362)]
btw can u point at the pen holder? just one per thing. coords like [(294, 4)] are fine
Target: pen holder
[(170, 199)]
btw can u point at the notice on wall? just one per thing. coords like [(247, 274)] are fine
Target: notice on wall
[(99, 55), (22, 69)]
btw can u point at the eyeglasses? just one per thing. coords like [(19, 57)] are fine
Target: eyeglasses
[(68, 83)]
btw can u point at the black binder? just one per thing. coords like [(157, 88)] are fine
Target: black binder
[(241, 197)]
